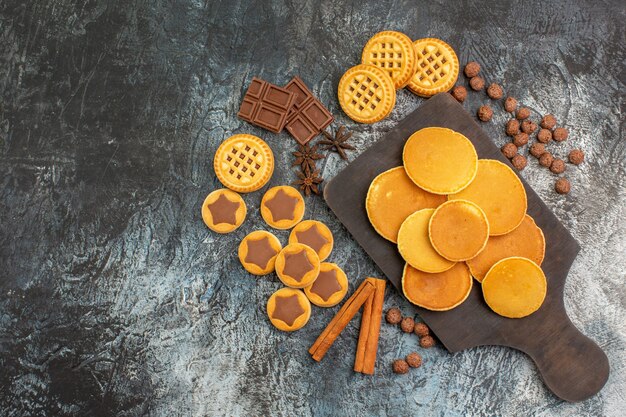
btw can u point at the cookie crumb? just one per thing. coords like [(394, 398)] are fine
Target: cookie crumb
[(393, 316), (560, 134), (427, 342), (494, 91), (562, 186), (477, 83), (520, 139), (519, 162), (421, 329), (509, 150), (557, 166), (485, 113), (510, 104), (459, 93), (414, 360), (512, 127), (400, 366), (576, 156), (548, 121), (544, 136), (472, 69), (407, 325), (522, 113), (528, 126), (537, 149), (546, 159)]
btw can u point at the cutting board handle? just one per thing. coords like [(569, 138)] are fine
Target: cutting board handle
[(572, 365)]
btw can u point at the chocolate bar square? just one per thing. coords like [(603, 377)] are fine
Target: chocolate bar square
[(266, 105), (308, 116)]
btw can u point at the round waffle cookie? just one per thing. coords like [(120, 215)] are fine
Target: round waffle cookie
[(499, 192), (243, 163), (437, 292), (392, 52), (526, 240), (392, 197), (437, 67), (366, 93), (440, 160), (515, 287)]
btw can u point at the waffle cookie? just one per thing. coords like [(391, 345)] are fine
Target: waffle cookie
[(366, 93), (223, 211), (437, 67), (243, 163), (514, 287), (393, 52)]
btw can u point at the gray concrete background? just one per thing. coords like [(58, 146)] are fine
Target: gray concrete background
[(116, 299)]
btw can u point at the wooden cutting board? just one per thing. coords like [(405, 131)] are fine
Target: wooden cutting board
[(571, 364)]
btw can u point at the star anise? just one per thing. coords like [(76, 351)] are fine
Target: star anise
[(309, 181), (306, 157), (337, 143)]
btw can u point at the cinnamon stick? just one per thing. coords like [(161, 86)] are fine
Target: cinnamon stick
[(341, 320), (371, 348), (363, 332)]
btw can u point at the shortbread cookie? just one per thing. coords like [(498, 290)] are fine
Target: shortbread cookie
[(243, 163), (366, 93), (297, 265), (393, 52), (315, 235), (330, 286), (282, 207), (258, 252), (288, 309), (223, 211)]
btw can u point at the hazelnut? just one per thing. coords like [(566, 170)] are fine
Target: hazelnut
[(494, 91), (485, 113), (537, 149), (421, 329), (393, 316), (414, 360), (519, 162), (407, 325), (562, 186), (560, 134), (400, 366), (477, 83), (459, 93), (509, 150), (522, 113), (544, 136), (472, 69), (427, 342), (546, 159), (528, 126), (557, 166), (576, 156), (520, 139), (510, 104), (548, 121), (512, 127)]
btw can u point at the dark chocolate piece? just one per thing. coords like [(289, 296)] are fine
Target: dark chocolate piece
[(326, 284), (282, 206), (312, 238), (297, 265), (308, 116), (266, 105), (260, 252), (287, 309), (223, 210)]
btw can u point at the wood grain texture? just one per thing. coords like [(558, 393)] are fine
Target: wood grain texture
[(117, 300), (572, 365)]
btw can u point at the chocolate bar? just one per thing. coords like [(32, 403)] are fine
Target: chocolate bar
[(308, 116), (266, 105)]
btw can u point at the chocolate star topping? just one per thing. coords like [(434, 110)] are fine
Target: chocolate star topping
[(312, 238), (326, 284), (223, 210), (297, 265), (282, 206), (260, 252), (287, 309)]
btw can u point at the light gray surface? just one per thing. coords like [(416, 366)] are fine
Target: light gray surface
[(118, 300)]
